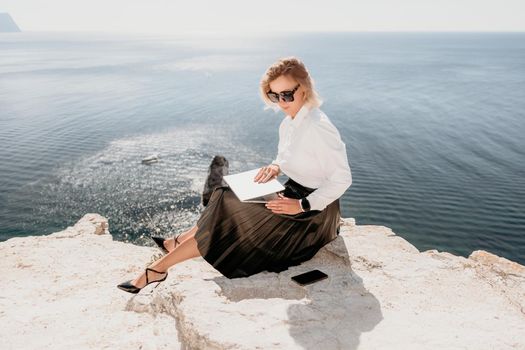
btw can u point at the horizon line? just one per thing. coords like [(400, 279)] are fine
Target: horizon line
[(248, 33)]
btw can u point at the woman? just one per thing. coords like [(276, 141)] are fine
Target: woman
[(241, 239)]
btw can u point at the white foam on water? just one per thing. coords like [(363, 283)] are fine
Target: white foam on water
[(139, 200)]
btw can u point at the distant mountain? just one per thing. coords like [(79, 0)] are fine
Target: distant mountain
[(7, 24)]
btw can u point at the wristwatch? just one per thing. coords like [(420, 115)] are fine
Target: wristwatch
[(305, 204)]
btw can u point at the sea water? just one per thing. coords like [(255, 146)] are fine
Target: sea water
[(433, 125)]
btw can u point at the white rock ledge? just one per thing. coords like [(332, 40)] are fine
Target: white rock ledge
[(59, 292)]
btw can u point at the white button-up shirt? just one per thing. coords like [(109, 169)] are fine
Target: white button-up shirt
[(311, 153)]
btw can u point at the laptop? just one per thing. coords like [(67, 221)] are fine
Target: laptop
[(249, 191)]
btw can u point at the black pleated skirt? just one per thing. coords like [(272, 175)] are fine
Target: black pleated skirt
[(241, 239)]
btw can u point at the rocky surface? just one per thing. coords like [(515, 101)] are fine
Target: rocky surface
[(59, 291)]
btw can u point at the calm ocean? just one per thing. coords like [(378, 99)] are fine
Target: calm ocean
[(433, 124)]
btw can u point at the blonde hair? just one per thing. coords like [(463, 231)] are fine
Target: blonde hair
[(294, 68)]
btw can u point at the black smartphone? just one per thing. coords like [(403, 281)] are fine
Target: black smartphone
[(309, 277)]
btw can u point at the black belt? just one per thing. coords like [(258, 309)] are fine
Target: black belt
[(296, 190)]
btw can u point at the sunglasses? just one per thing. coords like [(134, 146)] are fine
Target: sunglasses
[(287, 96)]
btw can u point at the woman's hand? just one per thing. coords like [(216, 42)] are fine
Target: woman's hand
[(284, 205), (267, 173)]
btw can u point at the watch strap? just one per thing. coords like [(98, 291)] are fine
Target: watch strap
[(305, 204)]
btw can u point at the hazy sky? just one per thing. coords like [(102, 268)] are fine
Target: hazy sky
[(175, 16)]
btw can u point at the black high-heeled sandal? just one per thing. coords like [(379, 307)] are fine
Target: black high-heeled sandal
[(160, 242), (128, 287)]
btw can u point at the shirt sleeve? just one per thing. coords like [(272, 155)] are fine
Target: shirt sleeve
[(331, 153), (278, 159)]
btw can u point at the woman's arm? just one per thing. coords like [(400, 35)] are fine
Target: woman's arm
[(331, 153), (273, 170), (277, 161)]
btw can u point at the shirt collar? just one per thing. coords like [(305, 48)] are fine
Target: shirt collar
[(301, 114)]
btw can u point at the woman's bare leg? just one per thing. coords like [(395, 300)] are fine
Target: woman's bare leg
[(170, 243), (183, 251)]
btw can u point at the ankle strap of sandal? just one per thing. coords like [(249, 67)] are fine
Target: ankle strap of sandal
[(150, 269)]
